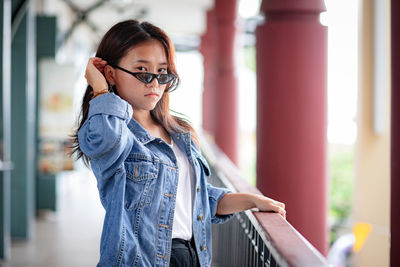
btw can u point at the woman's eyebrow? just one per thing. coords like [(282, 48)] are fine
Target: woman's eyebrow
[(147, 62), (141, 61)]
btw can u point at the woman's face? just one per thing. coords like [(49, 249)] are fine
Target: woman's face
[(145, 57)]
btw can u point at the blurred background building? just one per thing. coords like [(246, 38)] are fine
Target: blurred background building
[(296, 93)]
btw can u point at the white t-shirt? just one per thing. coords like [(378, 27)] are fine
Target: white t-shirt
[(182, 226)]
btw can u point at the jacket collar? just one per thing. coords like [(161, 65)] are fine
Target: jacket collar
[(143, 135)]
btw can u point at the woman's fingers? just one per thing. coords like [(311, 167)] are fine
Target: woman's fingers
[(98, 63), (280, 204), (280, 210), (279, 207), (96, 59), (264, 203)]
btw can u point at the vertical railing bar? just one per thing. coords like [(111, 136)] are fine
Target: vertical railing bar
[(265, 255), (261, 256), (256, 247), (243, 241), (251, 245), (246, 230), (273, 262), (253, 252), (253, 241), (246, 258)]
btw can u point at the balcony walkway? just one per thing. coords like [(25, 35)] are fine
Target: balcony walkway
[(69, 237)]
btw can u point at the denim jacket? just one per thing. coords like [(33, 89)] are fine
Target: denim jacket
[(137, 178)]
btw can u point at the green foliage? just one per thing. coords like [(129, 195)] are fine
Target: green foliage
[(250, 57), (341, 185)]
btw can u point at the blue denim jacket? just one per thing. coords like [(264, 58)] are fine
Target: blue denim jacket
[(137, 177)]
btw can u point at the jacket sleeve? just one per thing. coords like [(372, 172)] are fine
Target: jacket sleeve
[(215, 194), (105, 137)]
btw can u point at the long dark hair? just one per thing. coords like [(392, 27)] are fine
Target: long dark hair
[(113, 47)]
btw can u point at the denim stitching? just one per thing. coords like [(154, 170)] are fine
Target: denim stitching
[(122, 246), (137, 260)]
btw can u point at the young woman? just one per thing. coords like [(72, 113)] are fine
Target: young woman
[(150, 173)]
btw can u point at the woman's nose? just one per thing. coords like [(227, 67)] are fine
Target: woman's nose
[(153, 83)]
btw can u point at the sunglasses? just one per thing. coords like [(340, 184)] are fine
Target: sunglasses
[(147, 77)]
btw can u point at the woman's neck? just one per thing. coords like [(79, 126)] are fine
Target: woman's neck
[(144, 118)]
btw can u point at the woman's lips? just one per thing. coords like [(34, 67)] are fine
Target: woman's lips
[(152, 95)]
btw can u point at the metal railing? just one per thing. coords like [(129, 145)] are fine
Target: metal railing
[(253, 238)]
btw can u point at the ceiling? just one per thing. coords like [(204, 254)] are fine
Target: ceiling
[(85, 21)]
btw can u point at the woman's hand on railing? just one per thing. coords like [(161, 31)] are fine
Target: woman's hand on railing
[(237, 202), (268, 204)]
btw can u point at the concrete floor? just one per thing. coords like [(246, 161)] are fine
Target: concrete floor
[(70, 236)]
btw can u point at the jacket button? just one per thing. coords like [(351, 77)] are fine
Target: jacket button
[(203, 248), (200, 217), (198, 189)]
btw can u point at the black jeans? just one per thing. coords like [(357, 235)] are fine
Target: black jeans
[(183, 254)]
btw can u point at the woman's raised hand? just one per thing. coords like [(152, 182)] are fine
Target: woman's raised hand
[(94, 74)]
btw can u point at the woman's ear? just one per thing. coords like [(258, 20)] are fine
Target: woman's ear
[(109, 72)]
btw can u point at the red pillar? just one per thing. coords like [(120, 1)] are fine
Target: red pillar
[(395, 137), (226, 114), (209, 42), (291, 113)]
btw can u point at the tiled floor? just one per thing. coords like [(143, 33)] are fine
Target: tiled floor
[(69, 237)]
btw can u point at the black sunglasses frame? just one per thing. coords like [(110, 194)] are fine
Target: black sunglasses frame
[(137, 75)]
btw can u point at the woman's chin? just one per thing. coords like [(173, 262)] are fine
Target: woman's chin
[(148, 107), (151, 107), (146, 104)]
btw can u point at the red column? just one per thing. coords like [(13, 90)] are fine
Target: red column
[(209, 42), (395, 137), (291, 113), (226, 92)]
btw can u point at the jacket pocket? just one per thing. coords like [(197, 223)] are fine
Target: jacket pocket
[(141, 174)]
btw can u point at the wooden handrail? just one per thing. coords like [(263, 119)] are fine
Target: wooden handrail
[(284, 240)]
